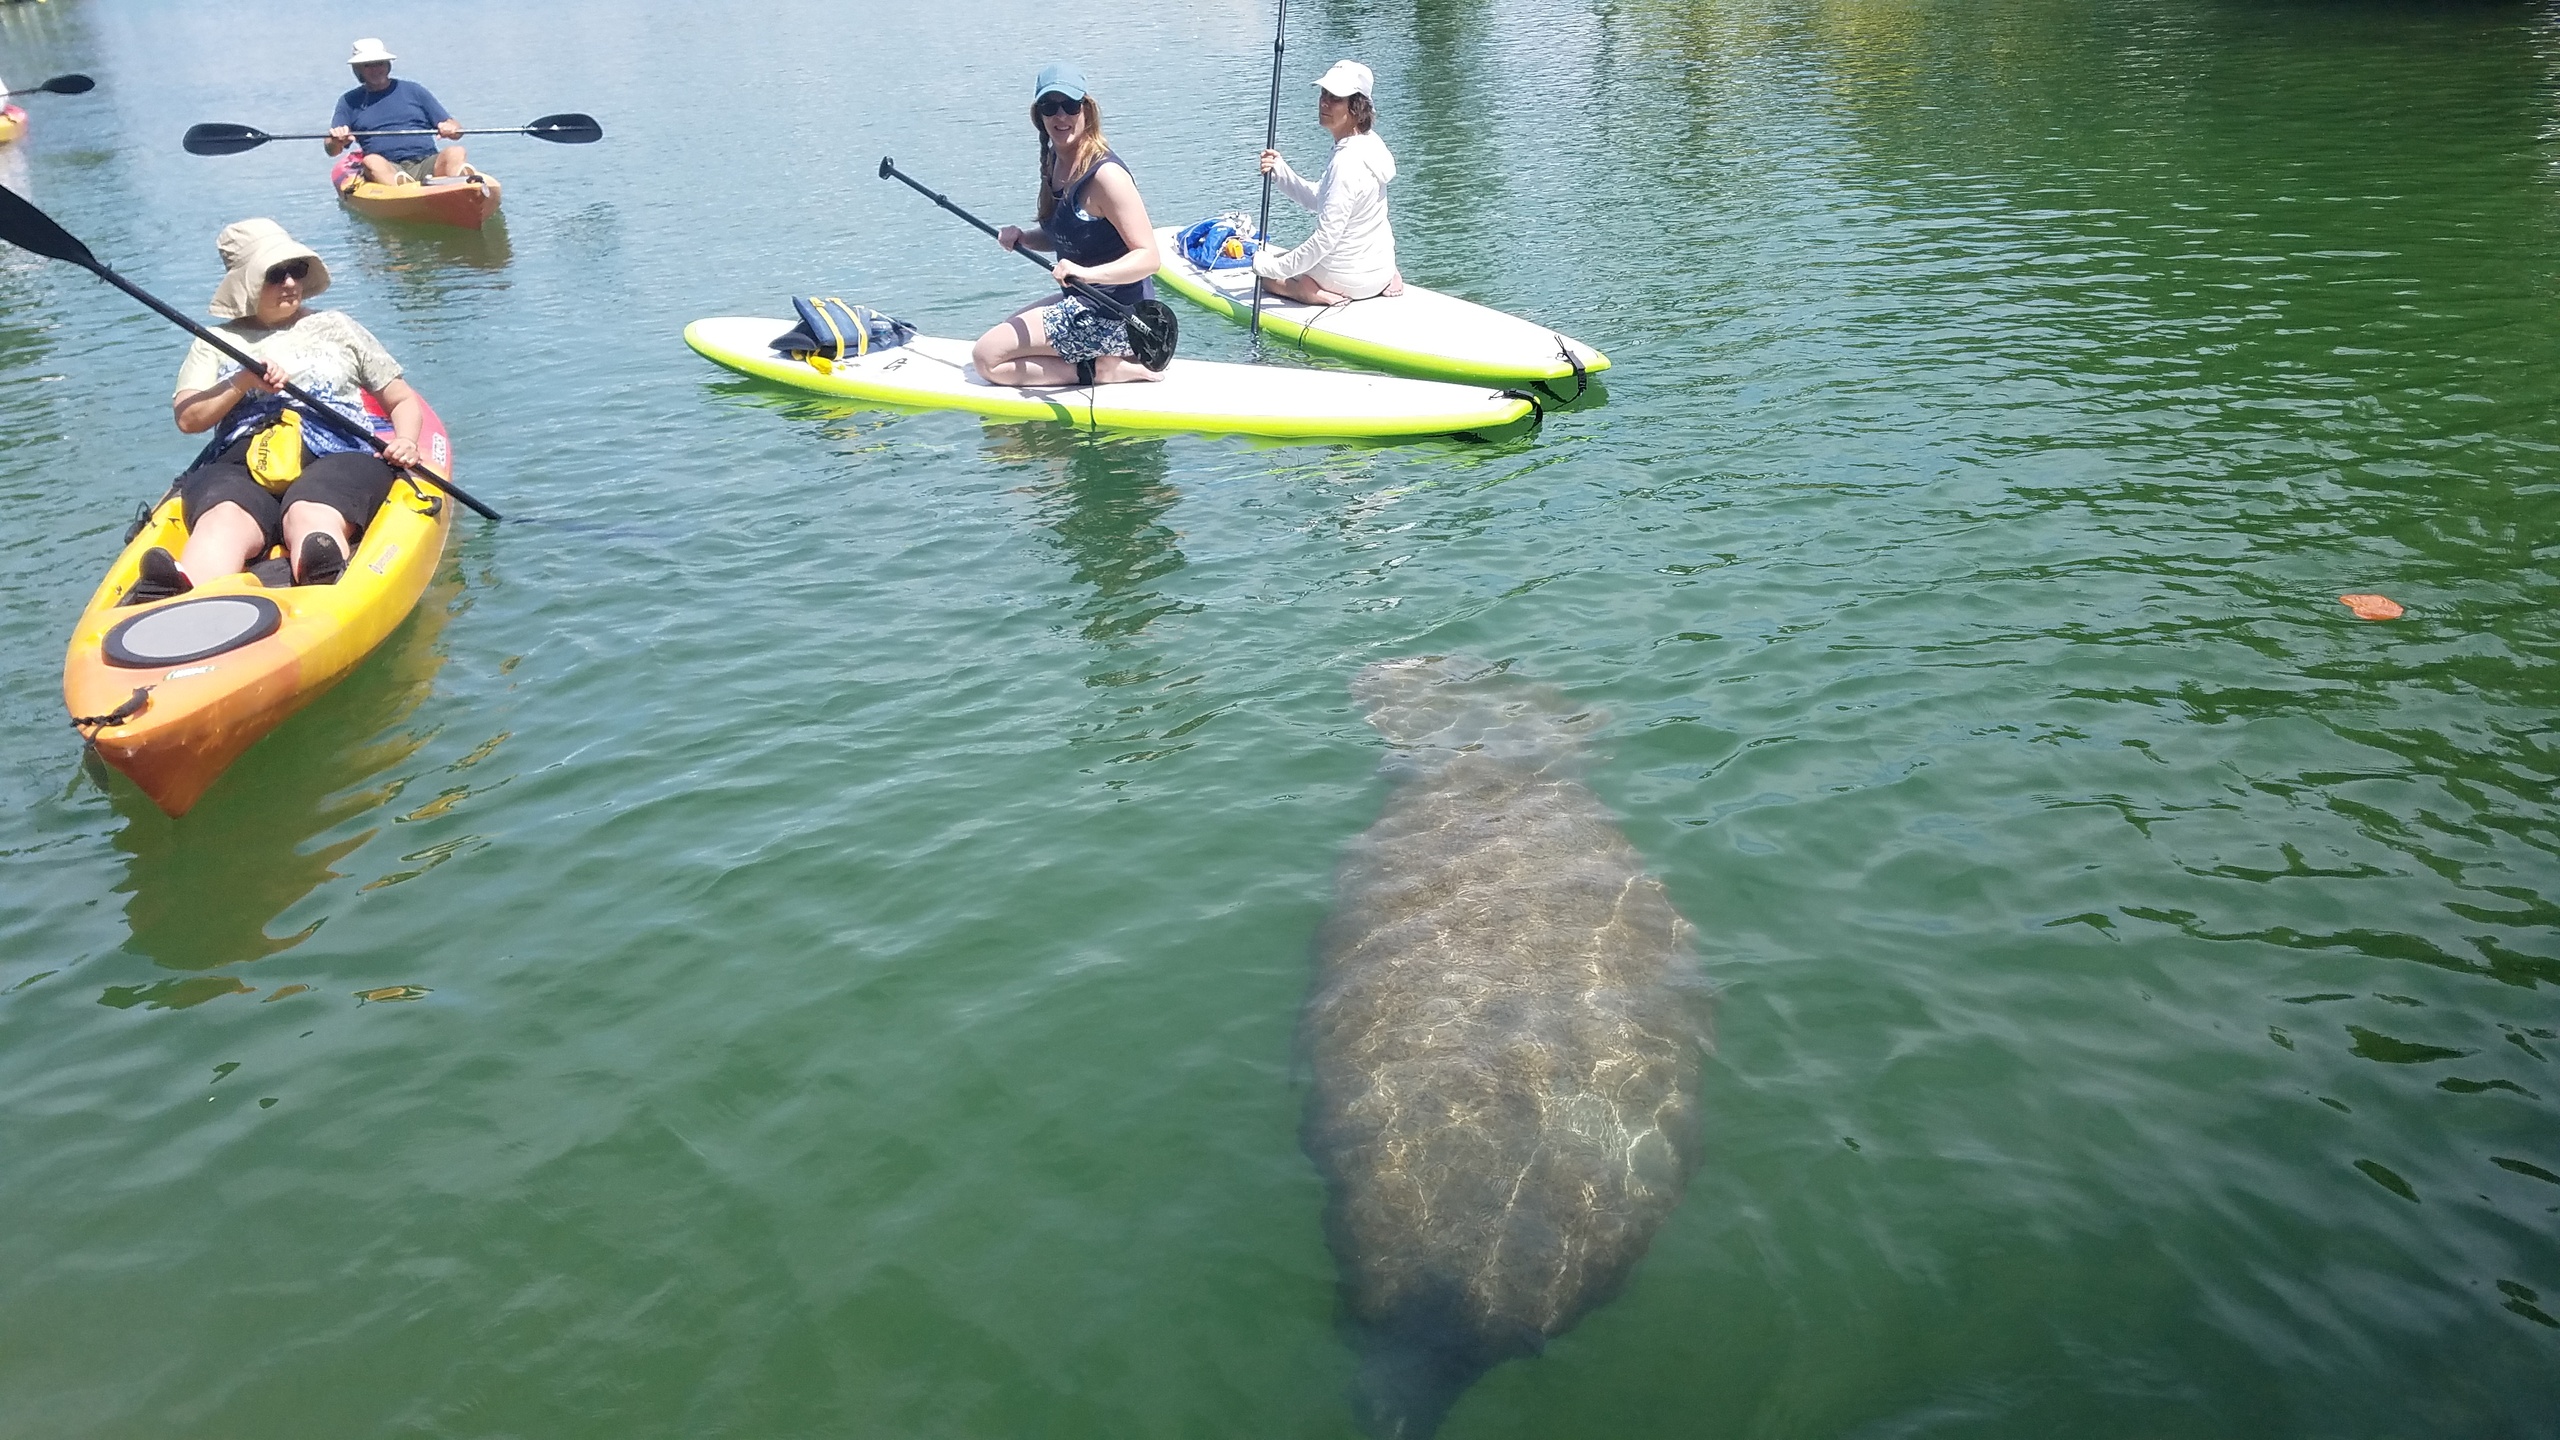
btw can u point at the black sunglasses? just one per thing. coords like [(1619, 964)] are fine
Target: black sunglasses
[(290, 270), (1053, 104)]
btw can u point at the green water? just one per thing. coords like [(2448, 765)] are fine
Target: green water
[(862, 868)]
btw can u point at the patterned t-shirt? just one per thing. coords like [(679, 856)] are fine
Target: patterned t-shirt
[(324, 351)]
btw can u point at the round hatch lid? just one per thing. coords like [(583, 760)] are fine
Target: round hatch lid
[(191, 630)]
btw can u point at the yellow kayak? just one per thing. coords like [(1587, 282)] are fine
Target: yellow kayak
[(467, 204), (13, 123), (171, 692)]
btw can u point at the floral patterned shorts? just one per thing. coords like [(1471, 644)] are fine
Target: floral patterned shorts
[(1077, 331)]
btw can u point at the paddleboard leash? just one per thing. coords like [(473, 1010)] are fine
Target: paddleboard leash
[(1581, 377)]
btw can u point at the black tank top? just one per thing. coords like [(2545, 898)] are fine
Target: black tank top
[(1092, 240)]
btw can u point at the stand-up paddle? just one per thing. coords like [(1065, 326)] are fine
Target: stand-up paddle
[(214, 139), (1152, 331), (1270, 141), (58, 85), (32, 230)]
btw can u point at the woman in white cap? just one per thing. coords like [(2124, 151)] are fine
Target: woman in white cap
[(1352, 255), (232, 514), (1092, 216)]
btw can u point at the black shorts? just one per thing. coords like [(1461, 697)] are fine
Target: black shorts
[(354, 484)]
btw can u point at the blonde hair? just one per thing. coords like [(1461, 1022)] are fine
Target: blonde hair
[(1089, 152)]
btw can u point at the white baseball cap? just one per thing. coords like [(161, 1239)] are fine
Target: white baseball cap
[(369, 51), (1347, 78)]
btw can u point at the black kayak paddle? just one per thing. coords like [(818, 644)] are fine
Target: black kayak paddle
[(216, 139), (32, 230), (1152, 331), (58, 85)]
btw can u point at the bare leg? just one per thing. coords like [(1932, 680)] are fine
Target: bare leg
[(307, 517), (223, 542), (449, 162), (1016, 352), (383, 172), (1304, 290)]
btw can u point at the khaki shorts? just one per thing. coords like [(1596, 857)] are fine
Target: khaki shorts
[(419, 169)]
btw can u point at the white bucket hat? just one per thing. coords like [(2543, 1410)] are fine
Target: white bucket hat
[(249, 249), (1346, 79), (369, 51)]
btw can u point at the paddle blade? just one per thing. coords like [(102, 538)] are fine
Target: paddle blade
[(888, 167), (1153, 333), (28, 228), (69, 85), (566, 129), (223, 139)]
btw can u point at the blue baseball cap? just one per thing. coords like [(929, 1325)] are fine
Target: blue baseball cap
[(1059, 78)]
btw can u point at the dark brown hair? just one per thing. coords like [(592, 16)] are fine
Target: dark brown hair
[(1088, 153), (1363, 114)]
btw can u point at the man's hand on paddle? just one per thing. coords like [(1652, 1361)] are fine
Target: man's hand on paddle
[(449, 129)]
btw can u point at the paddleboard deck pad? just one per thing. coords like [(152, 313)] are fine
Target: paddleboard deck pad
[(1197, 396), (1420, 332)]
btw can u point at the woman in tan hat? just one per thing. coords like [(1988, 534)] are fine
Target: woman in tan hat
[(233, 514)]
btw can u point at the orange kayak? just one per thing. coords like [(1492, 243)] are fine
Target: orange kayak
[(13, 123), (466, 203), (171, 692)]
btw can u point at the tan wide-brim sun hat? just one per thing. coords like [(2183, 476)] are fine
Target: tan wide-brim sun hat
[(250, 248)]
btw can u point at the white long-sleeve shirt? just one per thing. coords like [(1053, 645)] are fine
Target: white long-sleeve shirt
[(1353, 251)]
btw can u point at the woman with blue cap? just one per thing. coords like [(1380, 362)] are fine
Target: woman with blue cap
[(1092, 217)]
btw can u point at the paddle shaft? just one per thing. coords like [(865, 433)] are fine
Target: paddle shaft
[(1270, 141), (1096, 298), (317, 409), (372, 134)]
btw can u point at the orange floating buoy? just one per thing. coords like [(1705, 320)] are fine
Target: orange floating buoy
[(2372, 607)]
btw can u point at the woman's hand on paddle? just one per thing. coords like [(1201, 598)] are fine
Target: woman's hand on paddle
[(1066, 270), (1010, 237), (401, 451), (1270, 161), (273, 379)]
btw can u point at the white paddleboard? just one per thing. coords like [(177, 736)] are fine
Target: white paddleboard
[(1279, 401), (1422, 331)]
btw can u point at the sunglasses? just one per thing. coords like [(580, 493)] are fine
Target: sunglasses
[(1055, 105), (289, 270)]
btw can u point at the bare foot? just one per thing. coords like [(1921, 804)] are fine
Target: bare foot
[(1121, 370)]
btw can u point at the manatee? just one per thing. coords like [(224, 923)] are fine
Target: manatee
[(1503, 1040)]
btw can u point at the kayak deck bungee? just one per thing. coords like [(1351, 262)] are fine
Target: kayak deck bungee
[(1421, 332), (171, 692), (13, 123), (1197, 396), (467, 204)]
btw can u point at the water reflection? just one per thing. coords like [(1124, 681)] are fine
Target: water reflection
[(414, 257), (207, 890), (1106, 500)]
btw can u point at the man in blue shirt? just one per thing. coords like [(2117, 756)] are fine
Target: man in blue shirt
[(382, 103)]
